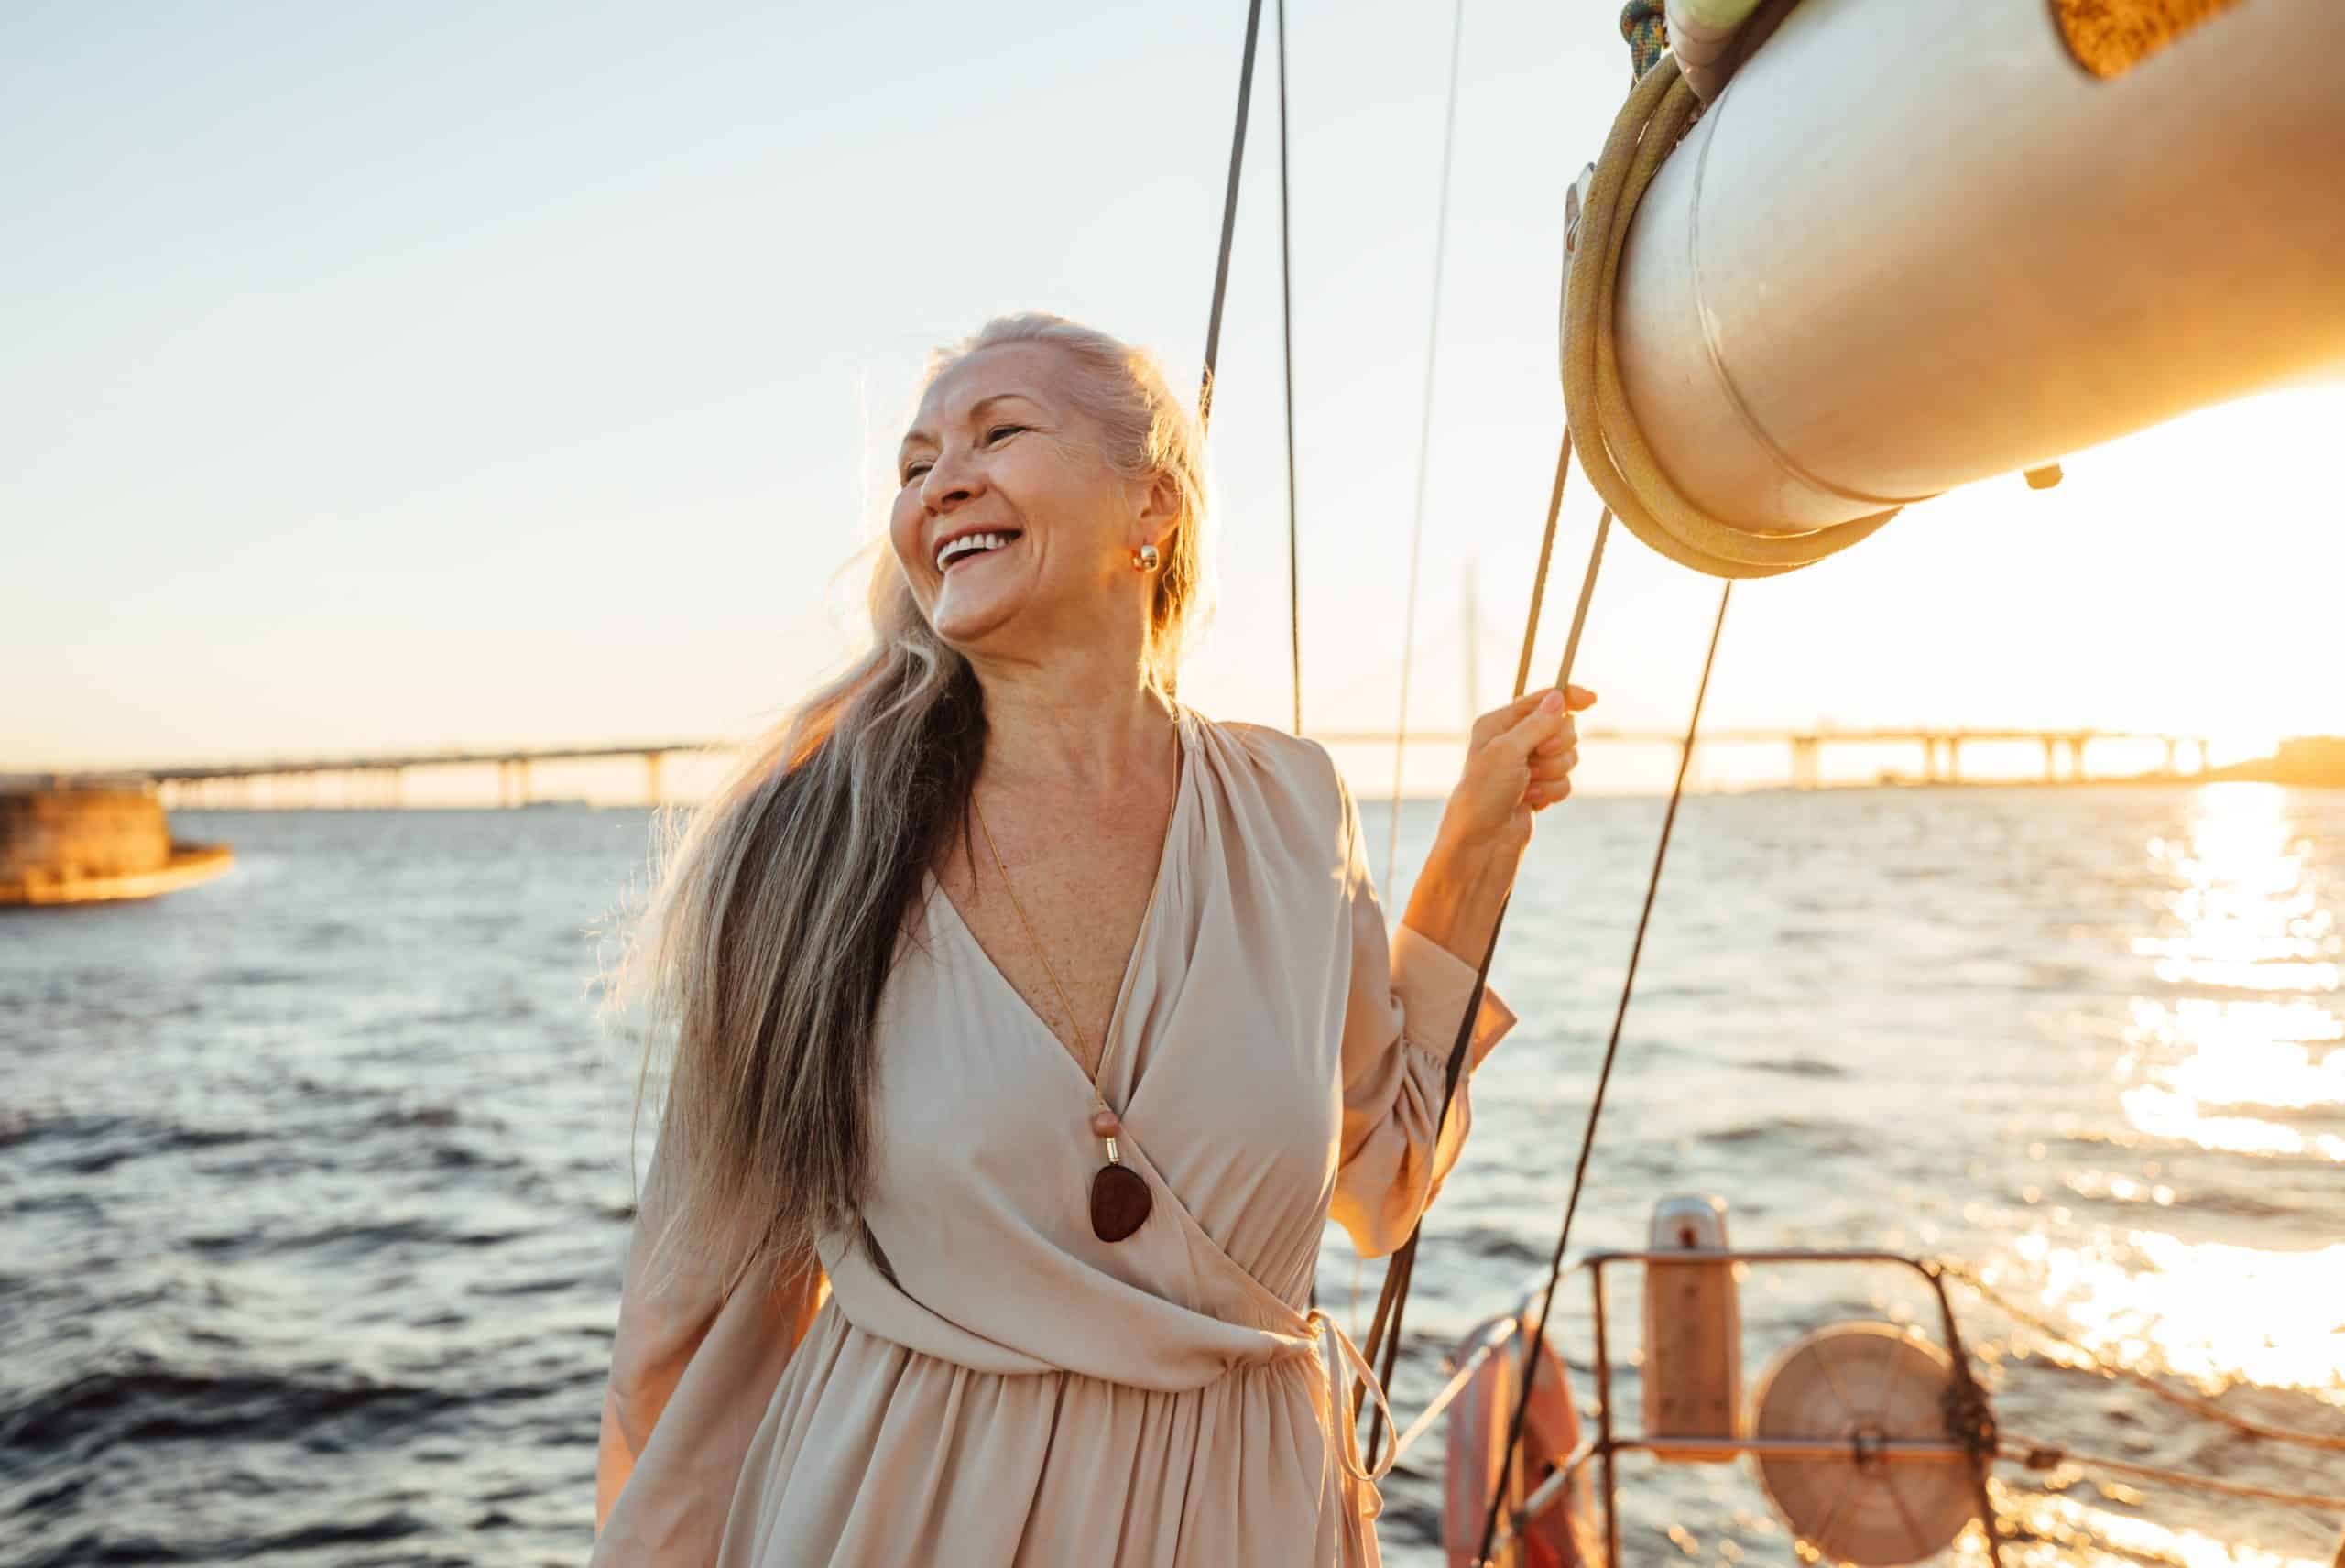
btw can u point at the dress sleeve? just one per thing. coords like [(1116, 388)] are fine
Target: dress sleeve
[(694, 1365), (1408, 995)]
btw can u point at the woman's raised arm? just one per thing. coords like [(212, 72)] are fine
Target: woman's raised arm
[(1411, 985)]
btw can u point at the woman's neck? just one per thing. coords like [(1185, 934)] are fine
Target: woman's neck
[(1096, 726)]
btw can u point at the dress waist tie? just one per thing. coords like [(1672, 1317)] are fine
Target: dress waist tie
[(1341, 1365)]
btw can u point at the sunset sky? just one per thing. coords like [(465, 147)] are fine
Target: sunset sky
[(402, 377)]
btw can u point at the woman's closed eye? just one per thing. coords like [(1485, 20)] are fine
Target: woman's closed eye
[(914, 470)]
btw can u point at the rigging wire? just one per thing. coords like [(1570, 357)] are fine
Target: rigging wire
[(1286, 334), (1604, 1074), (1392, 1298), (2051, 1457), (1395, 1301), (1228, 216), (1425, 448), (1286, 309), (1286, 348), (1391, 1301)]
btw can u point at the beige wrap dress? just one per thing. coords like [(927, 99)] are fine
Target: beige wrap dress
[(1021, 1392)]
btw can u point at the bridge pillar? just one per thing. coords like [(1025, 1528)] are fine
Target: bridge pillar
[(2075, 745), (2051, 764), (1930, 758), (1806, 759), (1954, 759), (2173, 748), (651, 778)]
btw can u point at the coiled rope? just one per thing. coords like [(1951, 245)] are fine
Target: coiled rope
[(1660, 110)]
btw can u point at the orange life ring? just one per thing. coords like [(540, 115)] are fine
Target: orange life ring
[(1564, 1536)]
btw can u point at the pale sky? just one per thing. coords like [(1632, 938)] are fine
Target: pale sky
[(412, 377)]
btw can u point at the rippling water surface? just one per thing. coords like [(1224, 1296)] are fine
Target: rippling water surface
[(315, 1177)]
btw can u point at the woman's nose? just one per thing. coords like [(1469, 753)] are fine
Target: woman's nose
[(953, 480)]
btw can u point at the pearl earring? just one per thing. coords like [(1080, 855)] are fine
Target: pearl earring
[(1144, 558)]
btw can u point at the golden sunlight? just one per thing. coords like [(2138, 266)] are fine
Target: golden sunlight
[(2244, 919), (2230, 1072), (2067, 1531), (2210, 1312)]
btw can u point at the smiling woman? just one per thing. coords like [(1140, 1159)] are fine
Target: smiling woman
[(1026, 416), (982, 1228)]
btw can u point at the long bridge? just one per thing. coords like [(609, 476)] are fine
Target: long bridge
[(1807, 747), (379, 777)]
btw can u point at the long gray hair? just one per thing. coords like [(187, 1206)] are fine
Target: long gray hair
[(780, 906)]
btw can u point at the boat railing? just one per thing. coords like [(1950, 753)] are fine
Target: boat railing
[(1608, 1442)]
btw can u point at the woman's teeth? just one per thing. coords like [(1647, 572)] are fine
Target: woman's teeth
[(970, 544)]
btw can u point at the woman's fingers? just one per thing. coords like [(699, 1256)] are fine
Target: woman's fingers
[(1545, 720), (1548, 769), (1500, 721), (1539, 797), (1563, 739), (1519, 762)]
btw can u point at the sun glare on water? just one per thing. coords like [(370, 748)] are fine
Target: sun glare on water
[(2245, 1054), (2231, 1064)]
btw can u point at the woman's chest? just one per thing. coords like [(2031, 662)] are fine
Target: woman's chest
[(1056, 909), (1224, 1066)]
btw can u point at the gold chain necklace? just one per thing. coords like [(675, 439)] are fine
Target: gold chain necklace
[(1120, 1201)]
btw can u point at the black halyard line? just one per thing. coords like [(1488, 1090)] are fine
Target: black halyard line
[(1228, 214)]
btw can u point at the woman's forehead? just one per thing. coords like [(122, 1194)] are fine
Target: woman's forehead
[(1005, 370)]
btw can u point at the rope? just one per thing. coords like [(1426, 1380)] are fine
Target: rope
[(1645, 28), (2333, 1444), (1603, 1079), (1424, 449), (1621, 466), (1546, 553), (1392, 1298), (1228, 216), (2051, 1457), (1286, 334)]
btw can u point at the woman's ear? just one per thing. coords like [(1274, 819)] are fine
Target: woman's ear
[(1160, 512)]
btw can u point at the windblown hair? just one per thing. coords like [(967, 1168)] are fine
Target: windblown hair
[(780, 905)]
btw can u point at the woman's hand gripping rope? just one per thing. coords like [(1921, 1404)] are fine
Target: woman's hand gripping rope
[(1519, 762)]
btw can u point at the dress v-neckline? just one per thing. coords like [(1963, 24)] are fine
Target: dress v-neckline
[(1146, 931)]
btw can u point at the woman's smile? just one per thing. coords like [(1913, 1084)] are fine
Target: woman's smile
[(956, 549)]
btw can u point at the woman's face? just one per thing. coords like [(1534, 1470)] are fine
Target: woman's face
[(1015, 534)]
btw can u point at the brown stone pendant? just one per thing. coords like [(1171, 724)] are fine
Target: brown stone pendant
[(1119, 1201)]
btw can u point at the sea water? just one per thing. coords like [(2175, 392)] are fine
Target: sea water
[(316, 1176)]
